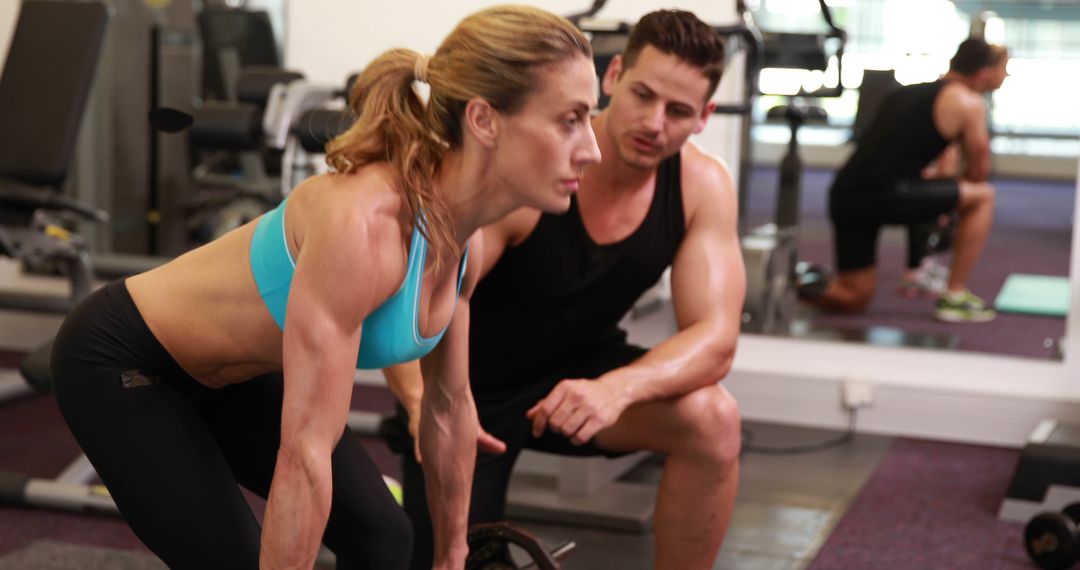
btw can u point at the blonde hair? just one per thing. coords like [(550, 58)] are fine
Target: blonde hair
[(492, 55)]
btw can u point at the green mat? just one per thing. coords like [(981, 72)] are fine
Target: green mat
[(1034, 295)]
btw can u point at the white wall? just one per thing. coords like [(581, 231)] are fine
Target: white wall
[(9, 12), (330, 39)]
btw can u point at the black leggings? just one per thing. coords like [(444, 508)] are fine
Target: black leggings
[(503, 415), (172, 451)]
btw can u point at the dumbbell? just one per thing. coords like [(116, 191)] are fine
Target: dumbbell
[(1053, 539), (489, 548)]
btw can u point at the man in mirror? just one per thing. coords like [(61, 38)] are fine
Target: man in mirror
[(925, 154)]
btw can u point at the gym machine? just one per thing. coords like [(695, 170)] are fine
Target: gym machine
[(770, 252), (43, 93), (236, 130), (1045, 493), (236, 177)]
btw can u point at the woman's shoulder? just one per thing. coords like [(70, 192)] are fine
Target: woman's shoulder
[(367, 193), (356, 216)]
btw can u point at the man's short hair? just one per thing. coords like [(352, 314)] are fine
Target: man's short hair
[(682, 34), (974, 54)]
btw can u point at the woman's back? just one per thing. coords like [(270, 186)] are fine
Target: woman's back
[(236, 338)]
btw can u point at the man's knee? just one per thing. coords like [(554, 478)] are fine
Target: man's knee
[(712, 422), (976, 194), (854, 291)]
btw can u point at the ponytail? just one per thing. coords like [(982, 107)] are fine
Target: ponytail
[(391, 127)]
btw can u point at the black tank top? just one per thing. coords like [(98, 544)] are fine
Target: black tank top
[(901, 140), (558, 293)]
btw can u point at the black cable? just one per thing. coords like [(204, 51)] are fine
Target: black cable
[(749, 447)]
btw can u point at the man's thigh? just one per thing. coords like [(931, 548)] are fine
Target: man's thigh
[(855, 245), (917, 201), (591, 366)]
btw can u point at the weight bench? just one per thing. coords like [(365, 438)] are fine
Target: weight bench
[(44, 88)]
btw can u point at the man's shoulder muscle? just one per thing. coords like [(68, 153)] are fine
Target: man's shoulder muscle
[(706, 180)]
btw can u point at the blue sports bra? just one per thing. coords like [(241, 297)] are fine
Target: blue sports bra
[(391, 332)]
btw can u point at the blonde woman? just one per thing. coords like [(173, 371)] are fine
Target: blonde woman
[(234, 363)]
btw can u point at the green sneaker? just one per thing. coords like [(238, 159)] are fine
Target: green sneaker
[(963, 307)]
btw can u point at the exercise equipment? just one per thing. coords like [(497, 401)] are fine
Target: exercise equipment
[(489, 548), (236, 131), (46, 107), (1052, 539), (1047, 476), (1034, 295), (770, 251), (44, 88)]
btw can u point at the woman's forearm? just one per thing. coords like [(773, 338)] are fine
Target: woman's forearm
[(448, 428), (296, 510)]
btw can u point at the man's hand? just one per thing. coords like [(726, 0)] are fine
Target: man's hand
[(485, 442), (578, 409)]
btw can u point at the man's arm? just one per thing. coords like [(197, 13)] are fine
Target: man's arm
[(975, 142), (407, 385), (708, 286), (946, 165)]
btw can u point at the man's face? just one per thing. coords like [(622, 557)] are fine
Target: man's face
[(995, 75), (656, 104)]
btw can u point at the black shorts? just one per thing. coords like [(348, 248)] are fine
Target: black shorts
[(504, 417), (174, 452), (858, 215)]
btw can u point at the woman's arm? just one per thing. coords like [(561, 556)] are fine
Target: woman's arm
[(448, 428), (326, 308)]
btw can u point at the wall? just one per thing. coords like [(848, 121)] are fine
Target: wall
[(9, 12), (330, 39)]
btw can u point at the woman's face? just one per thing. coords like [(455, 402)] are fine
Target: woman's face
[(543, 148)]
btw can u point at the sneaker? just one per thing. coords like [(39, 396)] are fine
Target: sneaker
[(930, 278), (962, 307)]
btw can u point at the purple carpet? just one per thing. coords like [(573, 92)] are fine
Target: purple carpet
[(930, 506), (1032, 233)]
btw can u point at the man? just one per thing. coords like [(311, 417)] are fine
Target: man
[(550, 369), (904, 172)]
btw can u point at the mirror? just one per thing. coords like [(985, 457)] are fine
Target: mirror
[(1033, 169)]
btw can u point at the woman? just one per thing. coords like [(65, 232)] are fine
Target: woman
[(234, 363)]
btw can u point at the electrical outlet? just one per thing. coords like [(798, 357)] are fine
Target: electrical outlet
[(857, 394)]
